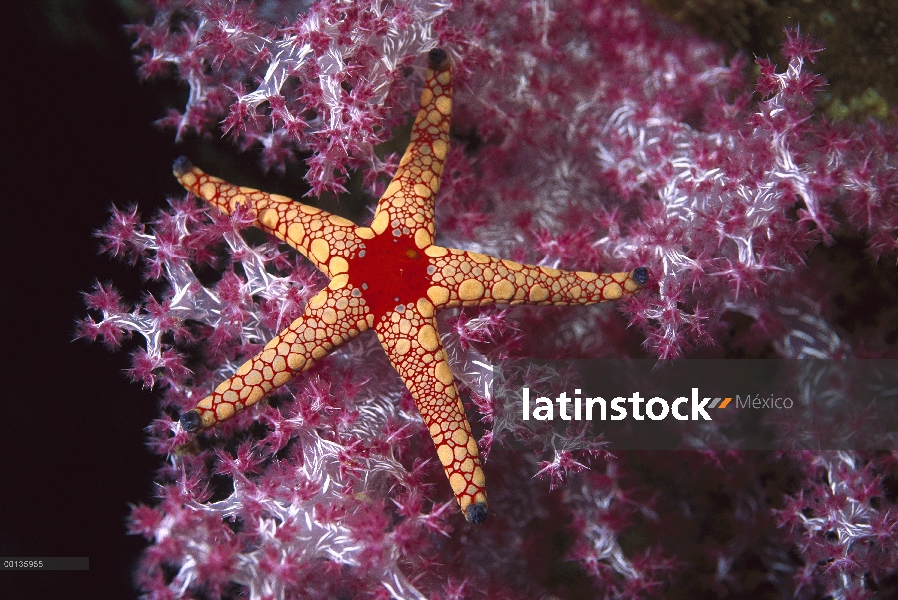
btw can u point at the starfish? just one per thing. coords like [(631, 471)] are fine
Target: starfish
[(391, 277)]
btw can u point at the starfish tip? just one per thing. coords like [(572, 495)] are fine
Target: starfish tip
[(641, 275), (190, 421), (476, 513), (181, 166), (437, 59)]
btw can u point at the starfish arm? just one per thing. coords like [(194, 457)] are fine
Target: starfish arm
[(325, 239), (413, 345), (460, 278), (331, 317), (407, 205)]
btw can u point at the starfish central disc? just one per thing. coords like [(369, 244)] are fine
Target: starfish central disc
[(391, 271)]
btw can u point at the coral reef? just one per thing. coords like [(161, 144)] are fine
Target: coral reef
[(586, 134)]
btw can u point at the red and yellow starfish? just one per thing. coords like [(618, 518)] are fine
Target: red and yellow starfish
[(391, 277)]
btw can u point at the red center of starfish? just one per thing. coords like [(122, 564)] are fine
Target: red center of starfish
[(390, 271)]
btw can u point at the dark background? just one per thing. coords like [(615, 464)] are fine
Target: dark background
[(78, 137)]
